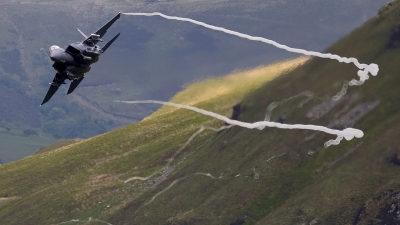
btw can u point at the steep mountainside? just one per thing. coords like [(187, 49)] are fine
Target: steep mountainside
[(171, 168), (151, 59)]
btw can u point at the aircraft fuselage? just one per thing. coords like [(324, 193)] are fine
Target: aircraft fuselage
[(76, 59)]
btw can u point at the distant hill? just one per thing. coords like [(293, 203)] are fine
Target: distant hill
[(152, 59), (171, 168)]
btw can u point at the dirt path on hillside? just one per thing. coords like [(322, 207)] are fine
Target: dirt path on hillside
[(121, 119)]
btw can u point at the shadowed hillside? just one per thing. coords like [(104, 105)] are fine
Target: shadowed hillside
[(172, 168)]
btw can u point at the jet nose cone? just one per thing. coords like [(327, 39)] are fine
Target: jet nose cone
[(54, 58), (55, 53)]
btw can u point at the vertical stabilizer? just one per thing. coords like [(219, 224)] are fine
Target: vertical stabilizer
[(109, 43)]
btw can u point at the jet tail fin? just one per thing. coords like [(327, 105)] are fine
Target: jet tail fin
[(103, 29), (96, 36), (109, 43)]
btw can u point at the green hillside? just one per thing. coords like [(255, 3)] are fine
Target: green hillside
[(149, 173), (94, 170), (151, 59)]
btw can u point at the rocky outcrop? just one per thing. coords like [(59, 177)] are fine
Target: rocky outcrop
[(394, 41), (384, 208)]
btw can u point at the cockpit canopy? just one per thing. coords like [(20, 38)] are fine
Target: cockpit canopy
[(53, 47)]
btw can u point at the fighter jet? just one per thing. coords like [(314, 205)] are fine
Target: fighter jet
[(73, 62)]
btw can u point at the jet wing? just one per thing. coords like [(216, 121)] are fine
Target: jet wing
[(57, 81), (103, 30)]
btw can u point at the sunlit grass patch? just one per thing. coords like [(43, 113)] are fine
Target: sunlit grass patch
[(235, 86)]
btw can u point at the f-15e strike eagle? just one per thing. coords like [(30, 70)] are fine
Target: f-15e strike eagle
[(73, 62)]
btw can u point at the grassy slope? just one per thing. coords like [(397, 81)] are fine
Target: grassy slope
[(30, 27), (330, 187), (338, 194), (70, 182), (298, 188), (58, 144)]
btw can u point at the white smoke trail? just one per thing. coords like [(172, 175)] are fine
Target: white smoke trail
[(333, 142), (364, 69), (342, 92), (348, 133), (345, 86)]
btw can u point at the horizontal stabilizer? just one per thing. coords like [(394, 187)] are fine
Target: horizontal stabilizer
[(74, 84), (109, 43)]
